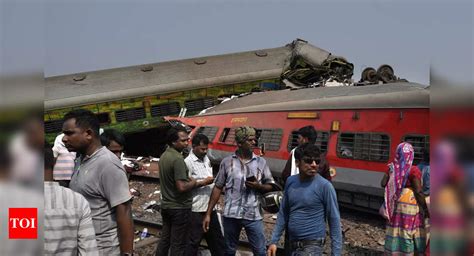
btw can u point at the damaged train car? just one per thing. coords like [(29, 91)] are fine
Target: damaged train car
[(135, 99), (358, 129)]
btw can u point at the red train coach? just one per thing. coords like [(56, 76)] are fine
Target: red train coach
[(358, 127)]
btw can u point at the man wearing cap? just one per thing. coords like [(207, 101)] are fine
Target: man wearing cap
[(243, 175)]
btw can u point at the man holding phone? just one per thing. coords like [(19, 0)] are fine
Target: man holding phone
[(200, 169), (243, 175)]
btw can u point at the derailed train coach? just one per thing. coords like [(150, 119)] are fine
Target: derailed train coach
[(358, 128), (135, 99)]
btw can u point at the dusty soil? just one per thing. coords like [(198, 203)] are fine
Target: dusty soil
[(363, 233)]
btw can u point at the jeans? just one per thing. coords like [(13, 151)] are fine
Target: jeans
[(255, 235), (175, 232), (307, 250), (214, 237)]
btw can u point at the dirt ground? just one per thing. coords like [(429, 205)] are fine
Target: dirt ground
[(363, 233)]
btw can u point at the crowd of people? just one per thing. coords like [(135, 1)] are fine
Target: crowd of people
[(88, 202)]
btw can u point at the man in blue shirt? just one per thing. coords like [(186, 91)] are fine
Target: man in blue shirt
[(309, 200)]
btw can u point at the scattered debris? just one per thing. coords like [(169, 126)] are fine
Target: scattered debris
[(147, 205), (144, 233), (381, 242), (156, 192), (135, 192)]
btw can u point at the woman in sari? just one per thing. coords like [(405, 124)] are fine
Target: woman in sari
[(405, 205)]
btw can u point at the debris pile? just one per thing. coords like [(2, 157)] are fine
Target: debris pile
[(146, 200), (310, 66)]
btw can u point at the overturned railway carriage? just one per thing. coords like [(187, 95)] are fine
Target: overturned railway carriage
[(134, 99), (358, 128)]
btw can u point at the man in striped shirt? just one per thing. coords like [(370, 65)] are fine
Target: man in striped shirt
[(243, 176), (68, 228), (64, 165)]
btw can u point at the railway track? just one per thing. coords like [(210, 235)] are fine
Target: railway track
[(362, 229), (155, 227), (143, 177)]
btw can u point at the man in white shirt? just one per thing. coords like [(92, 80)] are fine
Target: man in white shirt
[(306, 134), (200, 168)]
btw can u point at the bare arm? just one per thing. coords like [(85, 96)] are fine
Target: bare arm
[(207, 181), (216, 193), (384, 180), (265, 188), (287, 170), (125, 227), (185, 186), (323, 168), (419, 196)]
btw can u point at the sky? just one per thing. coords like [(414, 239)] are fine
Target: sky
[(411, 36)]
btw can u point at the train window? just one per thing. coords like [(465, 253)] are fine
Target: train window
[(166, 109), (321, 141), (209, 131), (228, 136), (199, 104), (420, 143), (130, 114), (271, 138), (364, 146), (53, 126), (104, 118)]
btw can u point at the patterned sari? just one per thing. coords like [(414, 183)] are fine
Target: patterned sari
[(405, 232)]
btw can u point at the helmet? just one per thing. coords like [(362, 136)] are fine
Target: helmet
[(271, 201)]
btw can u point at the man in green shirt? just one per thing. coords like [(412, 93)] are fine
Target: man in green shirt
[(176, 202)]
